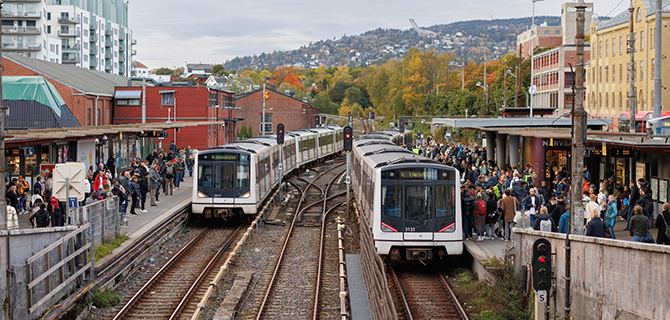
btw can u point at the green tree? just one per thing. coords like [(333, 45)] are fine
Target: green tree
[(218, 70), (163, 71), (322, 100)]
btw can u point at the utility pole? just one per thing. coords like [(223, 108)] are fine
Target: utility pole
[(632, 99), (3, 203), (463, 76), (658, 57), (263, 117), (504, 104), (437, 83), (486, 90), (578, 129), (518, 77)]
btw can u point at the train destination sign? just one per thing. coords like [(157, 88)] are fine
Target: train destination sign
[(418, 174)]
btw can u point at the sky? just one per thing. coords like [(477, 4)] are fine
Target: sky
[(171, 32)]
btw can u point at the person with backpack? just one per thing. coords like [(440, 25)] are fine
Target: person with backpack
[(663, 225), (467, 207), (480, 217), (169, 178), (56, 212), (610, 215), (41, 218), (544, 221), (639, 226), (22, 189), (134, 193)]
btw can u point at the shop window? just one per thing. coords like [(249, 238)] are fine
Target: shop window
[(167, 98), (128, 102), (13, 161)]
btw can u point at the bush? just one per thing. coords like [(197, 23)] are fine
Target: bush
[(105, 298), (497, 300)]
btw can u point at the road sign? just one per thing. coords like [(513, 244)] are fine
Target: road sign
[(73, 202), (68, 180), (532, 90)]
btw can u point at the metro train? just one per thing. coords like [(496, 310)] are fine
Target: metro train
[(236, 179), (411, 203)]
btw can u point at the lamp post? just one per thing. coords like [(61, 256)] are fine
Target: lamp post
[(486, 94), (532, 90)]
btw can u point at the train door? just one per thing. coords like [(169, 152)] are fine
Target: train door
[(224, 181), (418, 215)]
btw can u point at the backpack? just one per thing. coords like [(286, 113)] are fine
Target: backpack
[(545, 225), (481, 208), (667, 227)]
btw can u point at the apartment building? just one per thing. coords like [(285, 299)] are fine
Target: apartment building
[(607, 80), (90, 34)]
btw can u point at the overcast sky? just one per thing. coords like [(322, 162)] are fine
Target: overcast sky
[(212, 31)]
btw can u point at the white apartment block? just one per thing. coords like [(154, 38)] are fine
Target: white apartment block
[(90, 34)]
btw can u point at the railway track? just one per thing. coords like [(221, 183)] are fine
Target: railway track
[(424, 294), (169, 292), (291, 288)]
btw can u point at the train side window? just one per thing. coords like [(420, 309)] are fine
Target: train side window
[(391, 196), (417, 203), (444, 201)]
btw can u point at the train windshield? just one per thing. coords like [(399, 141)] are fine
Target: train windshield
[(418, 200), (224, 175)]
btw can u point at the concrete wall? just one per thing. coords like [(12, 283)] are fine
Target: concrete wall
[(610, 279), (23, 244)]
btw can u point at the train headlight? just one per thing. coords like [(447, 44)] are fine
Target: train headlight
[(201, 195), (246, 195)]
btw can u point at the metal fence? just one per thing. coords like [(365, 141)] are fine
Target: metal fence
[(103, 216)]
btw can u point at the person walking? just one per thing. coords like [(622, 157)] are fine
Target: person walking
[(639, 226), (144, 189), (610, 215), (134, 193), (22, 189), (12, 217), (663, 225), (509, 206)]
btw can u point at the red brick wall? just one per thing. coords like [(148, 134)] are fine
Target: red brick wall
[(192, 105), (285, 110), (542, 42), (78, 104)]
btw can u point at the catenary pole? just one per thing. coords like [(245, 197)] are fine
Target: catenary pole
[(658, 58), (263, 117), (632, 99), (3, 202), (578, 128)]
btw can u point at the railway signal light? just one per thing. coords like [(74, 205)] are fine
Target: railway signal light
[(280, 134), (348, 138), (373, 115), (542, 265), (401, 125)]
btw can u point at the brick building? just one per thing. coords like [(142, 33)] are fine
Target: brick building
[(279, 108), (87, 93), (183, 103)]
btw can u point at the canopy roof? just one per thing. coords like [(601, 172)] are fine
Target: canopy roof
[(32, 89)]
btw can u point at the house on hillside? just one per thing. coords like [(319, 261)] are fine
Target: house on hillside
[(198, 68), (213, 81)]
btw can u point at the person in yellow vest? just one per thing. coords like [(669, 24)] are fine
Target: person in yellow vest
[(22, 188)]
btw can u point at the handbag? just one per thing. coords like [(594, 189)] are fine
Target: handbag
[(667, 228)]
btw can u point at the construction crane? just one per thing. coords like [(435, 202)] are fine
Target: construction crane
[(421, 32)]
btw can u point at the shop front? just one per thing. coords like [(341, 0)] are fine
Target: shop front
[(556, 157)]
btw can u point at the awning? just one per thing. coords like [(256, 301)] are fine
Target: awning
[(127, 95), (166, 91)]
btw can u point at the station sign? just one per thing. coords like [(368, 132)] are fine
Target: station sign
[(153, 134)]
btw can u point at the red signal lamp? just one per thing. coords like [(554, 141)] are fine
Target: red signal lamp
[(542, 259)]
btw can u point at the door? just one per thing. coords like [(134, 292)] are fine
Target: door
[(418, 215), (224, 182)]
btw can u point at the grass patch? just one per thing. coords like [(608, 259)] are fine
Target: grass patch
[(105, 298), (109, 246), (499, 300)]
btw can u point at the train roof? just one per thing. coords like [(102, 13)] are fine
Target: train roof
[(303, 133)]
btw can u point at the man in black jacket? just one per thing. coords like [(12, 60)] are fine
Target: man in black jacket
[(467, 206), (632, 200), (41, 218), (545, 191)]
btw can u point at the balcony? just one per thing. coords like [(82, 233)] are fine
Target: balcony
[(108, 55), (93, 63), (21, 46), (134, 42), (108, 44), (68, 33), (21, 14), (93, 25), (74, 47), (134, 52), (108, 32), (92, 38), (71, 59), (122, 48), (108, 67), (21, 30), (69, 20), (93, 51), (122, 58)]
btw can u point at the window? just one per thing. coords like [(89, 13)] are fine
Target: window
[(418, 202), (568, 101), (444, 201), (391, 200), (639, 14), (628, 73), (89, 117), (600, 49), (607, 74), (86, 20), (620, 72), (569, 79), (48, 29), (613, 47), (607, 100), (613, 73), (600, 74), (607, 48), (621, 45), (653, 66), (49, 16), (128, 102), (620, 101), (641, 40), (167, 98), (641, 70), (267, 122), (651, 38)]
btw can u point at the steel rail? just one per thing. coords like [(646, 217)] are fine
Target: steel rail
[(394, 276), (464, 315), (205, 272)]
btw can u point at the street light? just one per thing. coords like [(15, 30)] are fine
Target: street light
[(532, 90)]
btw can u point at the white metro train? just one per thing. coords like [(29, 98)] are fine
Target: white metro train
[(411, 203), (236, 179)]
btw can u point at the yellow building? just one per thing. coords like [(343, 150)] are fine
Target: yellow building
[(607, 81)]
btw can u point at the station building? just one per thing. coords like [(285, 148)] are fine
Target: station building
[(279, 108)]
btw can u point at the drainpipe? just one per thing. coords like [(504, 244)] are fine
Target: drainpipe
[(96, 109)]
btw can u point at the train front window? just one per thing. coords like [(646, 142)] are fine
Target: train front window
[(444, 201), (204, 177), (225, 183), (391, 199), (417, 203)]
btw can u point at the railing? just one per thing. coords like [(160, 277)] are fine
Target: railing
[(68, 33), (26, 30), (108, 43), (69, 59), (93, 38), (70, 47), (103, 217), (72, 20), (21, 46), (51, 272), (19, 14)]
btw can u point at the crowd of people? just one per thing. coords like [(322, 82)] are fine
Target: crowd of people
[(161, 172), (494, 198)]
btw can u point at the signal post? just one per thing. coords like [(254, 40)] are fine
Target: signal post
[(542, 275), (348, 145), (280, 142)]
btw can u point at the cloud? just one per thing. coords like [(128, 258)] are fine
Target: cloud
[(172, 32)]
